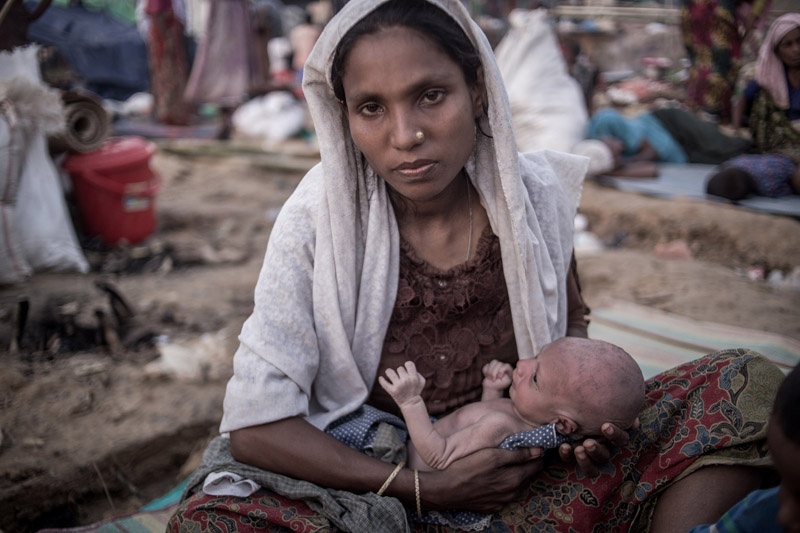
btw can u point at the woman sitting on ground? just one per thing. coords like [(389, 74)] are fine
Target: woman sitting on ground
[(771, 104), (424, 235)]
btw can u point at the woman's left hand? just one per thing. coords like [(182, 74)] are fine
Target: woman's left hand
[(591, 453)]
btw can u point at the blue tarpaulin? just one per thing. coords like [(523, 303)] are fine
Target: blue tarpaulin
[(107, 54)]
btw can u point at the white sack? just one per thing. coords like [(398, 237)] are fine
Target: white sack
[(13, 265), (274, 117), (44, 230), (547, 105)]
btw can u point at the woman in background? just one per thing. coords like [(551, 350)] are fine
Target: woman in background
[(714, 32), (771, 104), (228, 68)]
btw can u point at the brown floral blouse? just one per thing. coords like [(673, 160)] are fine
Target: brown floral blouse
[(450, 323)]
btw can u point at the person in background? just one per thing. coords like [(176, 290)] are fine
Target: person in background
[(713, 34), (666, 135), (635, 144), (169, 66), (771, 104), (228, 67), (302, 38), (424, 235), (776, 509), (580, 68)]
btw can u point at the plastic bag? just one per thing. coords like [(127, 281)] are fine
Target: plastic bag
[(547, 104), (40, 220)]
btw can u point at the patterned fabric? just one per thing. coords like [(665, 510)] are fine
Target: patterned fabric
[(359, 428), (707, 412), (168, 67), (713, 43), (771, 129), (546, 437), (261, 512), (449, 324), (771, 173)]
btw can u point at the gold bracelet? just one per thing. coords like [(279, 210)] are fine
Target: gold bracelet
[(391, 477), (416, 493)]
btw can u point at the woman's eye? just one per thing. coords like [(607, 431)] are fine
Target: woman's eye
[(433, 96), (369, 109)]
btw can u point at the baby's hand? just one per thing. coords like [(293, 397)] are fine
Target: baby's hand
[(404, 384), (497, 375)]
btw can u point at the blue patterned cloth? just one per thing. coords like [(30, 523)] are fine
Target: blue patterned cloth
[(546, 437), (772, 173), (359, 429)]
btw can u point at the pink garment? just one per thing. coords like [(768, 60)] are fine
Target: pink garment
[(224, 67), (158, 6), (770, 72)]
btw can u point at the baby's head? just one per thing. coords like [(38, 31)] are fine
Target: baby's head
[(783, 436), (579, 384)]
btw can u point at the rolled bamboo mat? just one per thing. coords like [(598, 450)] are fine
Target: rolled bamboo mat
[(88, 124)]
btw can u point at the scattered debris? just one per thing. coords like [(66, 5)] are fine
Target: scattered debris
[(72, 322), (199, 359), (677, 249)]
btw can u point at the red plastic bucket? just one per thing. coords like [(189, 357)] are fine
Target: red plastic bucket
[(115, 189)]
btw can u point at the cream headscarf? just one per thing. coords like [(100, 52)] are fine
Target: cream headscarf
[(770, 71), (314, 350)]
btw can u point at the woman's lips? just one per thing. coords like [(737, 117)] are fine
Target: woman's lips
[(416, 169)]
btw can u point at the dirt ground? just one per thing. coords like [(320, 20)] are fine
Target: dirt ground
[(90, 430)]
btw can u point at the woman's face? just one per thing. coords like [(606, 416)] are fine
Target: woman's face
[(788, 49), (397, 83)]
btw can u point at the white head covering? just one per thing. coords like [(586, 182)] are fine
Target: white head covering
[(498, 175), (770, 72), (336, 244)]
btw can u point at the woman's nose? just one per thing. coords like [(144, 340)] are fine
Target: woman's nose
[(406, 134)]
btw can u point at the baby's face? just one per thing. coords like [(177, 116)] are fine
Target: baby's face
[(539, 386), (786, 455)]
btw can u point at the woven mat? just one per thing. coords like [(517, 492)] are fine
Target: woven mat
[(659, 340)]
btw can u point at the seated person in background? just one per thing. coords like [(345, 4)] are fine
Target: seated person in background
[(667, 135), (762, 511), (773, 101), (579, 67), (573, 384)]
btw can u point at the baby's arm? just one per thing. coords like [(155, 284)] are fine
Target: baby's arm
[(465, 431), (405, 385), (496, 379)]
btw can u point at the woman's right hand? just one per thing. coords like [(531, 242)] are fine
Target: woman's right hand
[(485, 481)]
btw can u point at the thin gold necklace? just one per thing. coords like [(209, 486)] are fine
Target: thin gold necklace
[(469, 203)]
